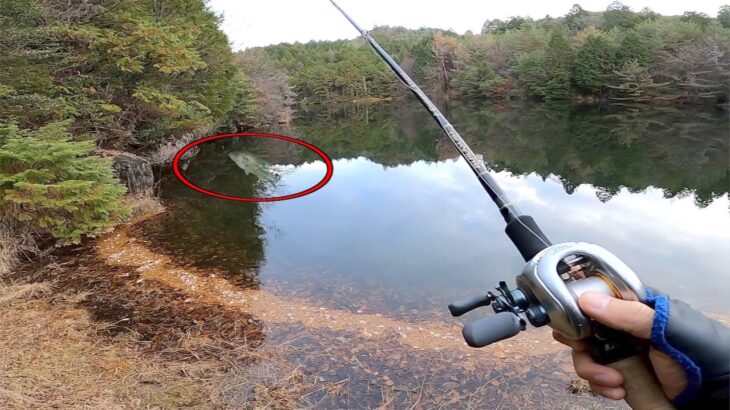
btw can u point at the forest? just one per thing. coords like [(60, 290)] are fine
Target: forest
[(79, 85), (613, 55)]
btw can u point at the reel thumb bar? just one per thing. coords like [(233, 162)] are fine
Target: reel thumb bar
[(521, 229)]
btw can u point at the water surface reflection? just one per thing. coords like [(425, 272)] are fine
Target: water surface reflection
[(403, 227)]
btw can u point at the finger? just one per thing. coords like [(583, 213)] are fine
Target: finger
[(632, 317), (669, 373), (615, 393), (594, 372), (579, 345)]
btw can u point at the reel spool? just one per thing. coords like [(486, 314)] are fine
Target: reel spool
[(547, 293)]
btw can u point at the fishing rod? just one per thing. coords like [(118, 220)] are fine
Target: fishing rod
[(551, 282), (521, 229)]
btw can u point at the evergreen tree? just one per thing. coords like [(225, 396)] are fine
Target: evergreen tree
[(532, 74), (55, 185), (723, 16), (593, 64), (632, 48), (478, 80), (633, 83), (558, 58), (701, 19), (575, 19), (619, 15), (124, 70), (646, 14)]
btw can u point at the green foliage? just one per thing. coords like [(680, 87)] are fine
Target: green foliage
[(701, 19), (478, 80), (632, 48), (499, 26), (620, 16), (546, 74), (243, 109), (593, 64), (124, 70), (550, 58), (723, 16), (78, 74), (646, 14), (55, 184), (558, 58), (633, 83), (531, 73), (576, 18), (347, 70)]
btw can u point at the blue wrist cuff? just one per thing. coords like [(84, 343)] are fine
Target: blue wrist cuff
[(660, 303)]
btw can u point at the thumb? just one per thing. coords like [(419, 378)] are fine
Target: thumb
[(632, 317)]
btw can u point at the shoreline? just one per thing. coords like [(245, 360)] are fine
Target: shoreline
[(119, 248), (200, 332), (241, 348)]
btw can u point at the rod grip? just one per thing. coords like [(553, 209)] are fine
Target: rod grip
[(527, 236), (643, 391)]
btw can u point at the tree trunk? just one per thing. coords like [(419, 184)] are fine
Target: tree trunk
[(134, 171)]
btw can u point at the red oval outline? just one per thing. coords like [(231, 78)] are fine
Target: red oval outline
[(318, 186)]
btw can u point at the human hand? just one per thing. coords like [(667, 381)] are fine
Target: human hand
[(631, 317)]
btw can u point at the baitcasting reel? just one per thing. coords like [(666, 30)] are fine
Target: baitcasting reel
[(547, 294)]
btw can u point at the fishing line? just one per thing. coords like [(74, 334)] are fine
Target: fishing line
[(508, 209), (522, 229)]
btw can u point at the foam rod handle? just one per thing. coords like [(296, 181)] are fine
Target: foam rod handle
[(643, 391), (527, 236)]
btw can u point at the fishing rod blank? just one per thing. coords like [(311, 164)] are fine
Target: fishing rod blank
[(543, 296), (521, 229)]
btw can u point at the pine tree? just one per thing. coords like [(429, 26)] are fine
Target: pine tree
[(619, 15), (558, 58), (632, 48), (532, 74), (723, 16), (593, 64), (633, 83), (478, 80), (55, 184), (701, 19), (575, 19)]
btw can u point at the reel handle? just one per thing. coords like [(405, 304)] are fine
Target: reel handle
[(483, 332), (462, 306)]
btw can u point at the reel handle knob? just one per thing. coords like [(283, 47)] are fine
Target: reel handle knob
[(491, 329), (462, 306)]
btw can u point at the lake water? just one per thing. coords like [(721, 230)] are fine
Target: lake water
[(403, 228)]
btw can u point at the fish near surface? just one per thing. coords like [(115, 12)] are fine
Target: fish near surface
[(250, 164)]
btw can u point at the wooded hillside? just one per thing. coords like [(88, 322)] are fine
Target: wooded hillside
[(616, 53)]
